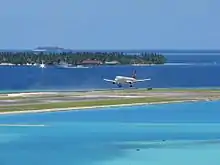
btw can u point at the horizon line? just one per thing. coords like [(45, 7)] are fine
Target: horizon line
[(57, 49)]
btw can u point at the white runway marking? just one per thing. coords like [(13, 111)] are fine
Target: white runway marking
[(22, 125)]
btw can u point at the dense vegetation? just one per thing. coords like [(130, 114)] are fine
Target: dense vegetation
[(77, 58)]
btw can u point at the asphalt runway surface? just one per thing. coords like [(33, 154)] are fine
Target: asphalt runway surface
[(53, 97)]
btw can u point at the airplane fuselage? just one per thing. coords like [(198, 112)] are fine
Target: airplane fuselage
[(120, 80), (123, 79)]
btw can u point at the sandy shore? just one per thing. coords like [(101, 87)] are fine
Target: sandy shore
[(93, 107)]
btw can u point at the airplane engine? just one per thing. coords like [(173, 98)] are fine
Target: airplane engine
[(130, 84), (113, 82)]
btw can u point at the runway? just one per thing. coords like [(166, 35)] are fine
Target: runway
[(79, 96)]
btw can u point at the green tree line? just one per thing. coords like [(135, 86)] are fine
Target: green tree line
[(77, 58)]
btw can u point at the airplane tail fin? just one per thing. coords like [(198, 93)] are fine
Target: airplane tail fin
[(134, 74)]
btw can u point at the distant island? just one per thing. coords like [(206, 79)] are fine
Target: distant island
[(56, 56)]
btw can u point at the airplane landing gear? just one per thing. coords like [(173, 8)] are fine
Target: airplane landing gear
[(119, 85)]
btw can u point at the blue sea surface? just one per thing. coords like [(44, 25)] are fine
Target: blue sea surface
[(188, 70), (169, 134), (166, 76)]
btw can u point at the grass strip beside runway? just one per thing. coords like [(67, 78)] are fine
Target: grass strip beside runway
[(87, 103)]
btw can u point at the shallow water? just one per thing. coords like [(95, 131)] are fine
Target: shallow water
[(169, 134)]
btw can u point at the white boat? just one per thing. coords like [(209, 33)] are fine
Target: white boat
[(80, 66), (69, 66), (42, 65)]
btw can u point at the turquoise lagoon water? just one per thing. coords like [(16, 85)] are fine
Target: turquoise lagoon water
[(171, 134)]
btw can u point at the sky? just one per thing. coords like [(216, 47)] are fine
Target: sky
[(110, 24)]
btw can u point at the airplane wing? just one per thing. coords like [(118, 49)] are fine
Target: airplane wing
[(113, 81), (142, 80)]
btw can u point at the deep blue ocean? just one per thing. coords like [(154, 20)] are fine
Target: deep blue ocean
[(179, 71)]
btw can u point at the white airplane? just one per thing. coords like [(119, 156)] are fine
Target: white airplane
[(119, 80)]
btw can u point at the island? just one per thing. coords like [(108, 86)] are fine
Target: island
[(38, 56)]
